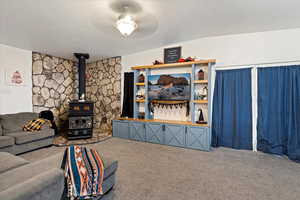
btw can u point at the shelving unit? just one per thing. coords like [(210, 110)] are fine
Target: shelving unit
[(146, 69), (187, 134)]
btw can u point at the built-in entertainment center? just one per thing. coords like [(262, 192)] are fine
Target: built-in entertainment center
[(170, 108)]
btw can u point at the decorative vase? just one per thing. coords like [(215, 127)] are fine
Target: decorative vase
[(200, 74), (141, 78), (201, 117)]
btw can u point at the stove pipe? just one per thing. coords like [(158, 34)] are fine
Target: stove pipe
[(81, 71)]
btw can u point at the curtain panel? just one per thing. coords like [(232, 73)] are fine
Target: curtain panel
[(278, 125), (232, 109)]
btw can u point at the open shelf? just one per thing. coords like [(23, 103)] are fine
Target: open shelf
[(179, 64), (201, 81), (168, 102), (165, 121), (140, 84), (201, 101), (140, 100)]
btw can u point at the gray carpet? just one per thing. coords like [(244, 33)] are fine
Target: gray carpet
[(156, 172)]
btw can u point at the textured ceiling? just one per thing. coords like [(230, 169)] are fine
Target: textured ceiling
[(61, 27)]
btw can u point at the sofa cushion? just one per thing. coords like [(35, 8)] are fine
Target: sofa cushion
[(9, 162), (110, 166), (48, 185), (55, 161), (14, 122), (26, 137), (6, 141), (1, 132)]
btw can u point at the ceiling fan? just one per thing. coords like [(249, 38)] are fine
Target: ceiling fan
[(125, 23), (127, 18)]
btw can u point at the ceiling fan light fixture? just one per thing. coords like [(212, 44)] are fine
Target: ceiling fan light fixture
[(126, 25)]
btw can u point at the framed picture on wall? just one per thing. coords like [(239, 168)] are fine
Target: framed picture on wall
[(15, 76), (172, 55)]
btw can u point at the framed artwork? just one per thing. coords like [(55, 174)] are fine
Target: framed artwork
[(15, 77), (172, 55)]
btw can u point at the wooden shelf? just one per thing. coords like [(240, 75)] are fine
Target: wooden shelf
[(140, 84), (201, 81), (180, 64), (168, 102), (165, 121), (201, 101), (140, 101)]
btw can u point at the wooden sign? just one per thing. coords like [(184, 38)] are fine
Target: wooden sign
[(172, 55)]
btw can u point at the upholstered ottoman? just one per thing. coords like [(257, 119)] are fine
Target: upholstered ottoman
[(43, 179)]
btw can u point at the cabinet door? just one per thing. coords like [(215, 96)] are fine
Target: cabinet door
[(198, 138), (175, 135), (121, 129), (154, 133), (137, 131)]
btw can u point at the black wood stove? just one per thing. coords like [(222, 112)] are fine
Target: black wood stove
[(81, 112), (80, 119)]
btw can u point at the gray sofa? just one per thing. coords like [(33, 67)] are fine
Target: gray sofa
[(16, 141), (44, 179)]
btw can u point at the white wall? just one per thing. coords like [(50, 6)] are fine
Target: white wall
[(232, 51), (15, 98), (242, 49)]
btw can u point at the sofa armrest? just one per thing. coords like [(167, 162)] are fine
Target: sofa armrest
[(46, 186), (47, 129)]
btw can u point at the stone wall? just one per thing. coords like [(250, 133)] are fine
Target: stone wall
[(103, 86), (54, 84)]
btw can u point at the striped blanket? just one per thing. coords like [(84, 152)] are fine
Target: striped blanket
[(83, 172), (36, 124)]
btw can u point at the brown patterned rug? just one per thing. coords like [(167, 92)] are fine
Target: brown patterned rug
[(98, 136)]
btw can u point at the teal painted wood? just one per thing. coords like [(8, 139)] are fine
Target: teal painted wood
[(175, 135), (135, 104), (154, 133), (192, 104), (198, 138), (193, 137), (121, 129), (147, 113), (137, 131), (210, 98)]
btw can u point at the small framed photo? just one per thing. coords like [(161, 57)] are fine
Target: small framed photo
[(172, 55)]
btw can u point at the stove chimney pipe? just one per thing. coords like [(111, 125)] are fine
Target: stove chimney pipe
[(81, 71)]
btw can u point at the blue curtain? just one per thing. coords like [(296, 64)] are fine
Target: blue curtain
[(279, 111), (232, 109)]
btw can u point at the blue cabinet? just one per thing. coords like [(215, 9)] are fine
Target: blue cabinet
[(175, 135), (121, 129), (198, 138), (154, 133), (188, 136), (137, 131)]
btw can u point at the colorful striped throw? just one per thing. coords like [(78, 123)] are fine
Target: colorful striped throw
[(84, 172)]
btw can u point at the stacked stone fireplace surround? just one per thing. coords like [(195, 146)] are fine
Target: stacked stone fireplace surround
[(55, 83)]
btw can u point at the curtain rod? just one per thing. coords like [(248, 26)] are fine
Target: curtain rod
[(251, 65)]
